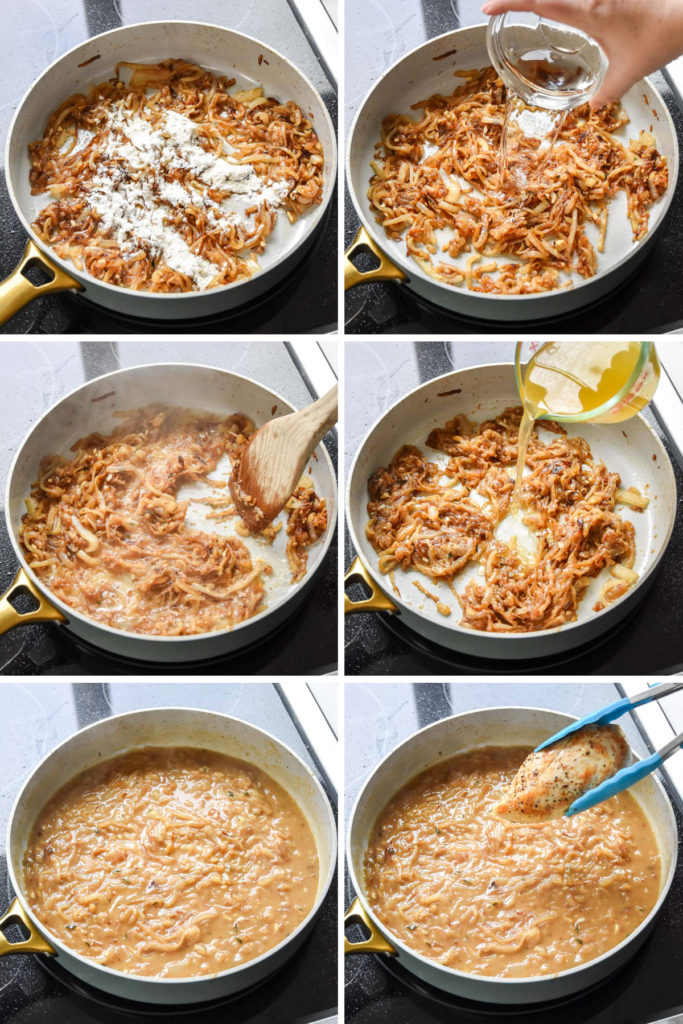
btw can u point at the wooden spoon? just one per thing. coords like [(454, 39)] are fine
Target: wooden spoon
[(274, 460)]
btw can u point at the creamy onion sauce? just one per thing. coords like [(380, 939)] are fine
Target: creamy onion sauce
[(479, 894), (171, 862)]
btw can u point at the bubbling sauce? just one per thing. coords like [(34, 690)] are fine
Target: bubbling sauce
[(482, 895), (171, 862), (108, 532)]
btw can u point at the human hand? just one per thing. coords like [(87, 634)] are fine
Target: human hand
[(637, 36)]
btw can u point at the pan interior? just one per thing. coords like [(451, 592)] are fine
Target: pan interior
[(167, 727), (218, 50), (93, 406), (629, 449), (418, 76)]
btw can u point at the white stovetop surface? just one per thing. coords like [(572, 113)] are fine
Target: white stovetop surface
[(671, 357), (660, 721), (675, 72)]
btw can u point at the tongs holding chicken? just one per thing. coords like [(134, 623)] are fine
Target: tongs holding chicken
[(582, 765), (550, 780)]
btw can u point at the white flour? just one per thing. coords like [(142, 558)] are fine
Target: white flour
[(133, 211), (130, 212)]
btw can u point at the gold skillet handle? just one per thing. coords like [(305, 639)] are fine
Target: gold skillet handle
[(16, 291), (377, 602), (375, 944), (10, 617), (35, 943), (386, 271)]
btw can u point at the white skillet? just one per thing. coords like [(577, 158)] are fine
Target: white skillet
[(418, 75), (216, 49), (631, 449)]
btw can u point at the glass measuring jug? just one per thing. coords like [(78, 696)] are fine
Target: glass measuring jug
[(575, 381)]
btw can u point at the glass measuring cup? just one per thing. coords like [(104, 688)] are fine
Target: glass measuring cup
[(544, 63), (606, 382), (547, 68)]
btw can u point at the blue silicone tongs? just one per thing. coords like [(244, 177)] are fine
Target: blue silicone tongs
[(632, 773)]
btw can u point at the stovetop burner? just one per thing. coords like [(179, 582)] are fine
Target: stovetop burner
[(108, 1009), (397, 996), (488, 1011), (116, 1008), (435, 657)]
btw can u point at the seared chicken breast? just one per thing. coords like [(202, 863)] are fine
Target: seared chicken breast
[(549, 781)]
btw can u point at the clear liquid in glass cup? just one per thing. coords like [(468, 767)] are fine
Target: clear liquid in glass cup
[(547, 69)]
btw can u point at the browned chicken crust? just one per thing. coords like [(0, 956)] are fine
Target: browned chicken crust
[(549, 781)]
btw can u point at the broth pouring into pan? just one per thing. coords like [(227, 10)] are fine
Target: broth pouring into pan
[(602, 381), (530, 544)]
